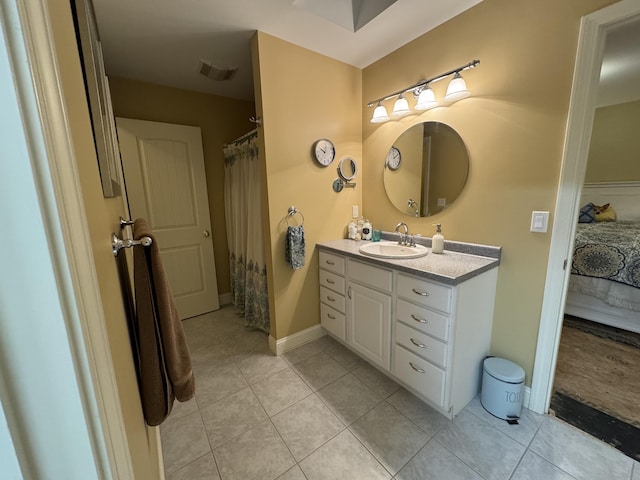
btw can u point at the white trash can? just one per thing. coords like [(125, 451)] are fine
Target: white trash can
[(502, 388)]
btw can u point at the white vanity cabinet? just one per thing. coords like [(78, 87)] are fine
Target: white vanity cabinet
[(442, 334), (332, 294), (369, 312), (428, 335)]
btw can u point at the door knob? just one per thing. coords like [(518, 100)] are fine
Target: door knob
[(206, 233)]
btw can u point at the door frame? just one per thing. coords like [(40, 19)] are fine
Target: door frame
[(591, 41), (52, 242)]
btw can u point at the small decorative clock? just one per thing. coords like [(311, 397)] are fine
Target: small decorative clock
[(393, 158), (324, 151)]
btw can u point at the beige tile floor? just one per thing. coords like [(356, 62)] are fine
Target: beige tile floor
[(320, 412)]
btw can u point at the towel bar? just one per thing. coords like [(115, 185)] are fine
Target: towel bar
[(118, 243), (291, 212)]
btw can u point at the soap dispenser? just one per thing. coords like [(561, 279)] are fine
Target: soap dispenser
[(366, 230), (352, 229), (437, 242)]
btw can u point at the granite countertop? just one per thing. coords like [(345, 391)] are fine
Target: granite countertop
[(459, 262)]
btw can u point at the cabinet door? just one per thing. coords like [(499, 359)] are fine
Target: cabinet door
[(369, 323)]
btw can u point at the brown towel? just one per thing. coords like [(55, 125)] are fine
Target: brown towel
[(163, 353)]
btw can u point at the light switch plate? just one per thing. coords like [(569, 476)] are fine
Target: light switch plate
[(354, 211), (539, 221)]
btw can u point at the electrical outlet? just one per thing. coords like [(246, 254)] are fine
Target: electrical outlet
[(442, 202), (354, 211)]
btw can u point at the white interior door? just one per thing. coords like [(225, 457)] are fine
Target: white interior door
[(165, 180)]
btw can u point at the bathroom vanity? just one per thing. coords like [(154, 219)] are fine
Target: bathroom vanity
[(425, 322)]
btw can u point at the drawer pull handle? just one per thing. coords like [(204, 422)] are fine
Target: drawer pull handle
[(417, 369), (418, 344), (331, 299), (331, 316), (422, 294), (418, 319), (330, 282), (329, 262)]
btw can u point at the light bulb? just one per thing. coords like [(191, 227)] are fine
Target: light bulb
[(380, 114), (401, 107), (426, 100), (457, 89)]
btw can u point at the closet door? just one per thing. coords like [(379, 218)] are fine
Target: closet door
[(164, 174)]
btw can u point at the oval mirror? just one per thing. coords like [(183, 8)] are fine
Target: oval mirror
[(347, 168), (426, 169)]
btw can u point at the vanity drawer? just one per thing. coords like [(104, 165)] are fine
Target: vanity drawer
[(425, 293), (371, 276), (423, 319), (332, 321), (417, 373), (421, 344), (333, 299), (331, 262), (332, 281)]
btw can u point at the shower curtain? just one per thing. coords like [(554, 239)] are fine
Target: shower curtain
[(243, 207)]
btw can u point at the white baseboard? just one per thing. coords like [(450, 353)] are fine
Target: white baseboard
[(292, 341), (225, 298)]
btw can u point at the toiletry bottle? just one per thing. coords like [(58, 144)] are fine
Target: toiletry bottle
[(352, 229), (366, 230), (437, 241)]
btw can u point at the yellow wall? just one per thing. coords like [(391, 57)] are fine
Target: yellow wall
[(615, 144), (513, 127), (102, 219), (220, 119), (303, 96)]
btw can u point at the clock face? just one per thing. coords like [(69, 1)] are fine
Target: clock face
[(324, 151), (393, 158)]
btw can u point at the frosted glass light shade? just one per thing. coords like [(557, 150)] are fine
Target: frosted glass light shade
[(457, 89), (380, 114), (426, 100), (401, 107)]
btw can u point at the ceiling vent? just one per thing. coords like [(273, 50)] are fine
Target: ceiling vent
[(218, 74), (349, 14)]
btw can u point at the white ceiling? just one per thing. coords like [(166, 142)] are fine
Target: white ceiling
[(163, 41)]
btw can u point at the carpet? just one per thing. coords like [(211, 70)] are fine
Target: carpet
[(599, 371), (597, 384)]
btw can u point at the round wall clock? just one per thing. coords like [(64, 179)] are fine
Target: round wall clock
[(393, 158), (324, 151)]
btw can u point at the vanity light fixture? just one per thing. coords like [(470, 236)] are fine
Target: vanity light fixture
[(426, 99), (380, 114), (400, 107), (457, 90)]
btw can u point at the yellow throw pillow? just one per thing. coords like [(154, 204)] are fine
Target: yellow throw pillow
[(605, 213)]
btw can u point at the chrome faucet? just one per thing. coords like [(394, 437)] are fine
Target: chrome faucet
[(404, 237)]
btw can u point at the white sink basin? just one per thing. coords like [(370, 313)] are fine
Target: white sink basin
[(390, 249)]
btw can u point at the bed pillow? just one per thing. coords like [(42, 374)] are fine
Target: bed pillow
[(587, 214), (605, 213)]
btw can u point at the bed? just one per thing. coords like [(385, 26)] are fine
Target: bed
[(604, 284)]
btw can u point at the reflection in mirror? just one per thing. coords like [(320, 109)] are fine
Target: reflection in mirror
[(347, 168), (432, 172)]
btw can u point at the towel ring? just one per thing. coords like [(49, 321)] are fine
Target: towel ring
[(292, 211)]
